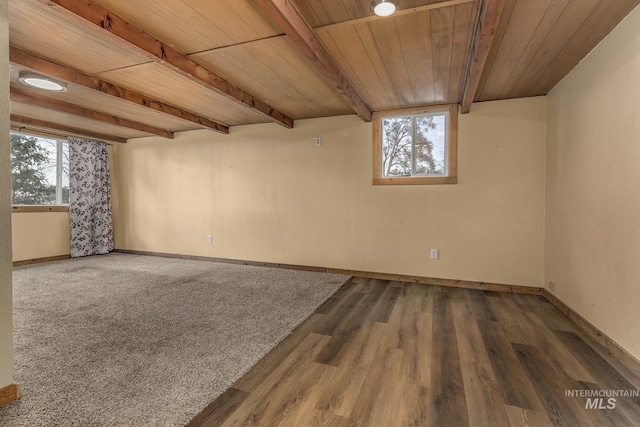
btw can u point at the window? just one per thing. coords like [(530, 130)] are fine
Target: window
[(39, 170), (415, 146)]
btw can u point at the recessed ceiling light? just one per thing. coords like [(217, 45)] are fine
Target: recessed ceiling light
[(42, 82), (384, 7)]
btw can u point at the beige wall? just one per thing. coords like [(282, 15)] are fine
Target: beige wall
[(6, 298), (266, 193), (593, 186), (40, 235)]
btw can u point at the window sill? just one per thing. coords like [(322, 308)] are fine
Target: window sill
[(432, 180), (29, 209)]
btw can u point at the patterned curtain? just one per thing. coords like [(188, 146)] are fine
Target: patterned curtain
[(89, 198)]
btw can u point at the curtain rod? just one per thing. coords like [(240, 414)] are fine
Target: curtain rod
[(49, 133)]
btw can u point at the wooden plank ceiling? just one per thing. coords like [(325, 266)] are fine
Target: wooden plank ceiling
[(139, 68)]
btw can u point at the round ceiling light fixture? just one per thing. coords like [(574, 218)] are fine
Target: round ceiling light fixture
[(384, 7), (42, 82)]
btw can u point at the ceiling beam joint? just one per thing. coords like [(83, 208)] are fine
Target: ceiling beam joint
[(27, 97), (128, 35), (23, 123), (61, 72), (309, 44), (489, 13)]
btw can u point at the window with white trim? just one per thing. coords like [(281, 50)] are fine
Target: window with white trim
[(39, 170)]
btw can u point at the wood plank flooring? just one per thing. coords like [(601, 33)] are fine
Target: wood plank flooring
[(383, 353)]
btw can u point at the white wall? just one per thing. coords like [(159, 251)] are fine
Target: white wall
[(266, 193), (593, 186), (6, 299)]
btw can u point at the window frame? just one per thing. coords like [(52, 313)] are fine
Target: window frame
[(39, 208), (451, 150), (58, 206)]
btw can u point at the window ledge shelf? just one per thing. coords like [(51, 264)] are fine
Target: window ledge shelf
[(29, 209), (413, 180)]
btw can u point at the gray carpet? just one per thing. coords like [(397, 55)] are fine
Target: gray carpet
[(129, 340)]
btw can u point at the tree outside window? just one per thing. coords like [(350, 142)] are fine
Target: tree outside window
[(409, 145), (39, 170)]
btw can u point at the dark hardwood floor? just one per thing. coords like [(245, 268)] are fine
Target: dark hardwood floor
[(385, 353)]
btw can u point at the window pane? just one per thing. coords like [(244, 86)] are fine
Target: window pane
[(65, 173), (33, 170), (397, 133), (430, 145), (416, 146)]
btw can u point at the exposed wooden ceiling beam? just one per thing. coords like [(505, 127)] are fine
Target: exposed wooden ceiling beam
[(308, 42), (28, 123), (399, 12), (68, 74), (488, 17), (26, 97), (134, 38)]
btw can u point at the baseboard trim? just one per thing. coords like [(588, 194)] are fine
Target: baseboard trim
[(40, 260), (10, 393), (451, 283), (467, 284), (615, 349)]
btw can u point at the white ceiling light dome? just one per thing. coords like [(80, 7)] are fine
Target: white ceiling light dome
[(42, 82), (384, 7)]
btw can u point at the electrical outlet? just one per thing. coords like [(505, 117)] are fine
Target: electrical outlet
[(434, 254), (318, 142), (552, 286), (209, 238)]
